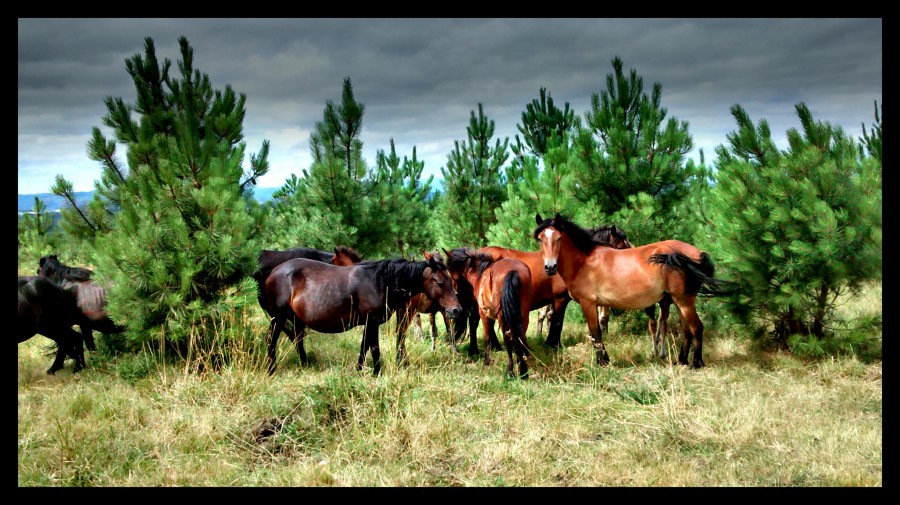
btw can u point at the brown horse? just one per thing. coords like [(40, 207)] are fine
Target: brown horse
[(47, 309), (630, 279), (333, 299), (502, 290), (91, 297), (420, 304), (550, 292)]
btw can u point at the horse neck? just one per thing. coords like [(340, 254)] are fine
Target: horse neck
[(570, 259), (403, 285)]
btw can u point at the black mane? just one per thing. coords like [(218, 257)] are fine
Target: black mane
[(399, 276), (608, 234), (461, 257), (49, 266), (583, 239)]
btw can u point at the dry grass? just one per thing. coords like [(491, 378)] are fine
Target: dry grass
[(747, 419)]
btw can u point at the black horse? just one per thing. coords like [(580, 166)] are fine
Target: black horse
[(49, 310), (90, 297)]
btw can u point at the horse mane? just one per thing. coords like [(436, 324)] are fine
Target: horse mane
[(461, 257), (52, 268), (398, 276), (583, 239), (605, 233)]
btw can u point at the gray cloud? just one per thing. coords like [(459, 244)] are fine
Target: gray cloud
[(420, 78)]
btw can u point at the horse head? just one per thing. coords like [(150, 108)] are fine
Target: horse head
[(438, 286)]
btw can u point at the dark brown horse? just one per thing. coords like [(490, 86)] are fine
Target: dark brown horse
[(49, 310), (333, 299), (550, 291), (595, 274), (269, 259), (502, 290), (91, 297)]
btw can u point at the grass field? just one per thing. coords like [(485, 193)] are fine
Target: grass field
[(749, 418)]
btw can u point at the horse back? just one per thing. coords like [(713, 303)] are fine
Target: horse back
[(544, 288)]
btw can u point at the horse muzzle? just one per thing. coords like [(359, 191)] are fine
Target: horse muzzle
[(454, 312), (550, 269)]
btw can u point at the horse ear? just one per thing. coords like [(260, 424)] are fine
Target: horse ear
[(558, 217), (537, 218), (446, 252), (337, 250), (428, 255)]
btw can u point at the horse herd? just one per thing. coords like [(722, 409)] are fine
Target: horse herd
[(331, 292)]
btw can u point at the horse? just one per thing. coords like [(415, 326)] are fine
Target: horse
[(333, 299), (502, 289), (420, 304), (268, 259), (550, 292), (91, 298), (47, 309), (596, 273)]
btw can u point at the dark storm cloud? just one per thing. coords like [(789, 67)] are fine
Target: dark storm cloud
[(420, 78)]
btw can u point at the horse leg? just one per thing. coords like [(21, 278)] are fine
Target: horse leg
[(473, 329), (589, 309), (450, 333), (402, 358), (274, 331), (603, 312), (554, 333), (692, 328), (62, 349), (371, 339), (76, 349), (508, 340), (488, 330), (299, 334), (419, 333), (661, 330), (433, 329), (87, 334), (543, 314)]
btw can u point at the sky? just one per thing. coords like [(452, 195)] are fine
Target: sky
[(421, 79)]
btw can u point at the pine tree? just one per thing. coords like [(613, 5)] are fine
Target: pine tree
[(185, 227), (628, 147), (403, 200), (474, 185), (530, 188), (36, 235), (797, 227)]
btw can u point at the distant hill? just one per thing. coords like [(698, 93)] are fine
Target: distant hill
[(54, 203)]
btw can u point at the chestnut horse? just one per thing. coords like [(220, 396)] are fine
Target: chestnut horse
[(550, 292), (333, 299), (595, 273), (502, 290)]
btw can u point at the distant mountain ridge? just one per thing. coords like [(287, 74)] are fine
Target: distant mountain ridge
[(55, 203)]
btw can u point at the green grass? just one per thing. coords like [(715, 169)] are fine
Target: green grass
[(749, 418)]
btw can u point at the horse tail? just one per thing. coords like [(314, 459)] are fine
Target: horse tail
[(699, 274), (510, 304)]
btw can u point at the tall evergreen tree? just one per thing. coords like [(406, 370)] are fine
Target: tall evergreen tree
[(185, 227), (531, 189), (797, 227), (403, 201), (474, 185), (628, 147)]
